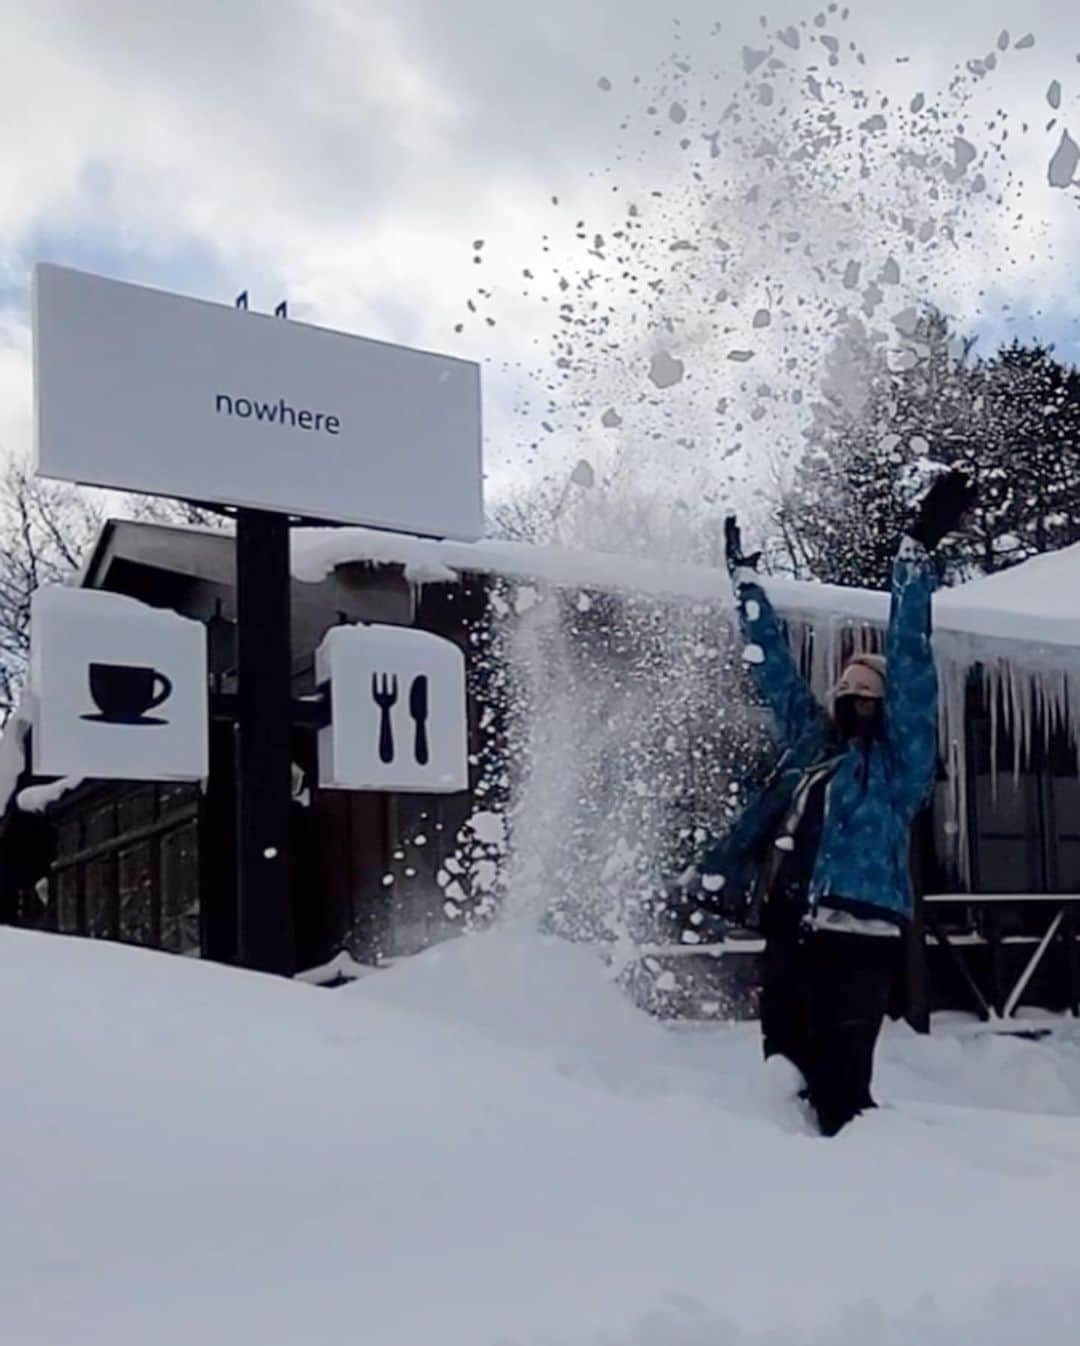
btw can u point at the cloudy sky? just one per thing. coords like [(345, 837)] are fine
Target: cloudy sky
[(348, 154)]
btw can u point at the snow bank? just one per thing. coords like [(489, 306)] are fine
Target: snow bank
[(485, 1145)]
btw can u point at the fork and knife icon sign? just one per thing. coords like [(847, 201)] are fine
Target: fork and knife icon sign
[(384, 692)]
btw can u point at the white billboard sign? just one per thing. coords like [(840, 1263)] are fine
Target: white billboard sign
[(398, 716), (142, 390), (119, 688)]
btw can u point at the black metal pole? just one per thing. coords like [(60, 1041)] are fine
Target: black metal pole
[(263, 777)]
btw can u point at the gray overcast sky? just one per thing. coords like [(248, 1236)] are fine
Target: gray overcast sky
[(347, 153)]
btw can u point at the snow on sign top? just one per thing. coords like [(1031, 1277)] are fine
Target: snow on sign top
[(147, 391), (119, 688)]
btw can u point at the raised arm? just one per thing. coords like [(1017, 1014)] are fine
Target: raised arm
[(766, 651), (911, 690)]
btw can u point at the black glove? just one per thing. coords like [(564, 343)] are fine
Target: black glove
[(943, 506), (733, 552)]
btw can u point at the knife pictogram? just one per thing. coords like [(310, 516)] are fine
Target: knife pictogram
[(418, 709)]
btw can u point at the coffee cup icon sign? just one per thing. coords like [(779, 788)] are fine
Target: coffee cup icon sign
[(123, 693)]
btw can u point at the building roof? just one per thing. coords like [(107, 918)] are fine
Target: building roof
[(185, 549), (1028, 607), (1031, 604), (1022, 626), (1036, 601)]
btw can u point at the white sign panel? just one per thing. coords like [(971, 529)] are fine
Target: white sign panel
[(143, 390), (398, 719), (119, 688)]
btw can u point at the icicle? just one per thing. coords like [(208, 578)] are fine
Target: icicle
[(798, 635), (1060, 702), (824, 672), (1070, 693), (992, 692), (1027, 717), (952, 681), (1043, 712), (1014, 717)]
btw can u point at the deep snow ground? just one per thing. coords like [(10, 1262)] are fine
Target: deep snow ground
[(488, 1146)]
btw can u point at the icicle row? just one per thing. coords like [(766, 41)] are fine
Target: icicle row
[(1039, 696)]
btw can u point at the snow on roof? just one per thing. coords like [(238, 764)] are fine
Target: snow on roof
[(317, 552), (1031, 603), (1037, 601)]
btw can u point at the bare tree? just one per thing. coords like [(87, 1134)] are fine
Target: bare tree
[(528, 514), (46, 528), (165, 510)]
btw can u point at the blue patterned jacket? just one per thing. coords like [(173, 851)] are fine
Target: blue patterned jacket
[(880, 783)]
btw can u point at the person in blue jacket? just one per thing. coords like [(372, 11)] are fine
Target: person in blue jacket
[(819, 860)]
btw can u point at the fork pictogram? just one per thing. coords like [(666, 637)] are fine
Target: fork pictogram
[(384, 692)]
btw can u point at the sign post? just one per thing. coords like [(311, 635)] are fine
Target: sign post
[(263, 767), (142, 390)]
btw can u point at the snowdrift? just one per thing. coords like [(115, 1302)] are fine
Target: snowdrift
[(488, 1145)]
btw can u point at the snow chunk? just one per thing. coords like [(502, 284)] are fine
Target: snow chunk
[(753, 654), (712, 883), (489, 827), (906, 322), (423, 573), (526, 599), (752, 608), (665, 371), (1062, 168), (583, 474), (784, 843)]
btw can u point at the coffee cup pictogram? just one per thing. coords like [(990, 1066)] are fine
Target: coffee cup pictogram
[(123, 693)]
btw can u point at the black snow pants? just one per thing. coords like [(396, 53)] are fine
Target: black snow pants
[(823, 1001)]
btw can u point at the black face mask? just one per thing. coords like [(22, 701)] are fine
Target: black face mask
[(851, 724)]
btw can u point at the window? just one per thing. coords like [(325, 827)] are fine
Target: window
[(135, 894), (180, 890), (126, 866)]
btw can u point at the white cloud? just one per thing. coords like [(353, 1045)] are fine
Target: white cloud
[(347, 152), (15, 393)]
